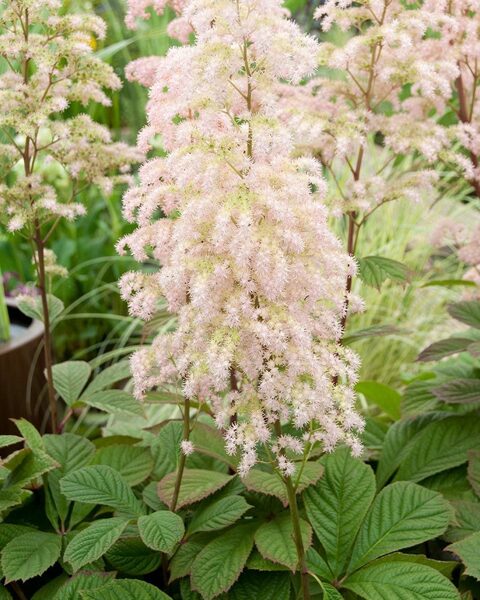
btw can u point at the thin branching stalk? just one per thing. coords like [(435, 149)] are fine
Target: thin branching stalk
[(183, 457)]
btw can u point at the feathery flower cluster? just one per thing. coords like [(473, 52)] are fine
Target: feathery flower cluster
[(363, 94), (50, 64), (248, 262), (179, 28)]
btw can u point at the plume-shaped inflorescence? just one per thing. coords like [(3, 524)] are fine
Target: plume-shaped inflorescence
[(247, 259)]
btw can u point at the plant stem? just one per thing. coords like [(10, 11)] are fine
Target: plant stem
[(297, 534), (47, 336), (181, 464), (465, 116)]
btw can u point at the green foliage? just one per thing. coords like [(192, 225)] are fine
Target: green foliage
[(374, 270), (196, 485), (30, 555), (162, 530), (69, 379)]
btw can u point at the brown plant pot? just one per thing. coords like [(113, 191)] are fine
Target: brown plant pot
[(21, 373)]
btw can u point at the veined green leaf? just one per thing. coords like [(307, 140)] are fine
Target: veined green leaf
[(133, 463), (94, 541), (125, 589), (399, 581), (467, 312), (130, 556), (114, 402), (82, 581), (382, 395), (474, 470), (100, 484), (337, 505), (443, 348), (219, 564), (374, 270), (161, 530), (30, 554), (468, 550), (196, 485), (402, 515), (69, 379), (275, 540), (218, 514), (263, 586)]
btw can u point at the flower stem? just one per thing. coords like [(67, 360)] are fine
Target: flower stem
[(47, 336), (297, 534), (181, 464)]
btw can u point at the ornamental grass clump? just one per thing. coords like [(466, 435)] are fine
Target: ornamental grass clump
[(45, 161)]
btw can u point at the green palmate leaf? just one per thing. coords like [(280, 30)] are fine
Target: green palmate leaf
[(196, 485), (125, 589), (219, 564), (69, 379), (130, 556), (114, 402), (218, 514), (181, 563), (30, 554), (166, 448), (9, 531), (30, 434), (82, 581), (337, 505), (275, 540), (133, 463), (402, 515), (69, 450), (458, 391), (100, 484), (264, 586), (272, 485), (32, 307), (162, 530), (318, 565), (257, 562), (445, 567), (382, 395), (439, 446), (400, 581), (468, 550), (109, 376), (443, 348), (397, 445), (467, 518), (94, 541), (374, 270), (9, 440), (27, 465), (467, 312), (474, 471)]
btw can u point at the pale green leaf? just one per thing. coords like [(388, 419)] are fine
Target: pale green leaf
[(133, 463), (94, 541), (100, 484), (337, 505), (401, 581), (113, 374), (196, 484), (276, 542), (30, 434), (218, 514), (443, 348), (9, 440), (374, 270), (458, 391), (219, 564), (30, 555), (183, 559), (402, 515), (69, 379), (114, 402), (384, 396), (161, 530)]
